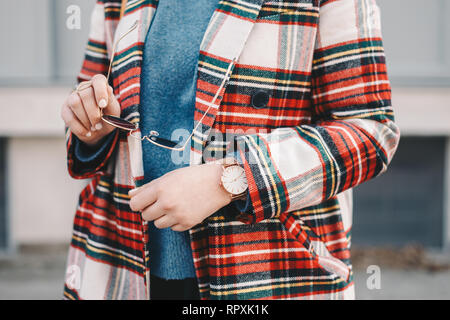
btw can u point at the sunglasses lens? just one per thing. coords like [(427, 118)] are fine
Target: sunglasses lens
[(164, 142), (119, 123)]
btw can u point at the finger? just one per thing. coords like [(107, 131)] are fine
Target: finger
[(134, 191), (76, 105), (91, 109), (179, 228), (165, 221), (100, 85), (153, 212), (73, 123), (151, 184), (144, 198), (113, 107)]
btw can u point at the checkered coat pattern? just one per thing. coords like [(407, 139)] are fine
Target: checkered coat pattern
[(328, 126)]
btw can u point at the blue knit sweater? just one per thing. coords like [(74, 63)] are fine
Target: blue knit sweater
[(168, 85)]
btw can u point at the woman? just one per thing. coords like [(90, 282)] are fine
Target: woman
[(281, 107)]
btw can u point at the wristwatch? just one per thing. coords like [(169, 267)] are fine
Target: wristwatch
[(233, 180)]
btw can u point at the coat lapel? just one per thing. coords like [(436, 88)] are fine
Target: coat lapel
[(126, 72), (223, 41)]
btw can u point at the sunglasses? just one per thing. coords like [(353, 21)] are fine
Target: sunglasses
[(153, 136)]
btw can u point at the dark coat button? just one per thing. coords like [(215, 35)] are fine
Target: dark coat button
[(260, 99)]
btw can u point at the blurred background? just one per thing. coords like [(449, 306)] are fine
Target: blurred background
[(401, 232)]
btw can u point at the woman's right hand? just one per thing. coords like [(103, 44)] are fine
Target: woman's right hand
[(81, 112)]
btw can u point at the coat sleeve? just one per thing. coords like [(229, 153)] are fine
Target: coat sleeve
[(353, 136), (95, 62)]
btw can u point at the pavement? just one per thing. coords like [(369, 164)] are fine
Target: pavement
[(33, 274), (39, 274), (409, 285)]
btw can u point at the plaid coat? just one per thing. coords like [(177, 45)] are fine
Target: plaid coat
[(326, 127)]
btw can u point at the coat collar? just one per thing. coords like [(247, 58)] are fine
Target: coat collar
[(223, 41)]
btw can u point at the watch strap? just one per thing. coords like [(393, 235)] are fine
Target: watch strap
[(241, 196)]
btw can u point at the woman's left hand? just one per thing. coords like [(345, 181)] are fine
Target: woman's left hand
[(181, 198)]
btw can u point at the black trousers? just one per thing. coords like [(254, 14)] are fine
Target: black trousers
[(185, 289)]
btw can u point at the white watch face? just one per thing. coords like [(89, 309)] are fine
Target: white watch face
[(234, 180)]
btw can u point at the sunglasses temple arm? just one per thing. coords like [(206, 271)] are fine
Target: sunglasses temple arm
[(134, 26), (112, 56), (211, 103)]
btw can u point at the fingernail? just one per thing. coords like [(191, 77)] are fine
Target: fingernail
[(88, 134), (98, 126), (93, 129), (102, 103), (132, 192)]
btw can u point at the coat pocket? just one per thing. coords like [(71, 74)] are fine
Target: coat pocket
[(315, 247)]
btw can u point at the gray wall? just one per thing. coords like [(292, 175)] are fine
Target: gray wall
[(37, 47), (405, 204), (416, 35), (41, 50), (4, 234)]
